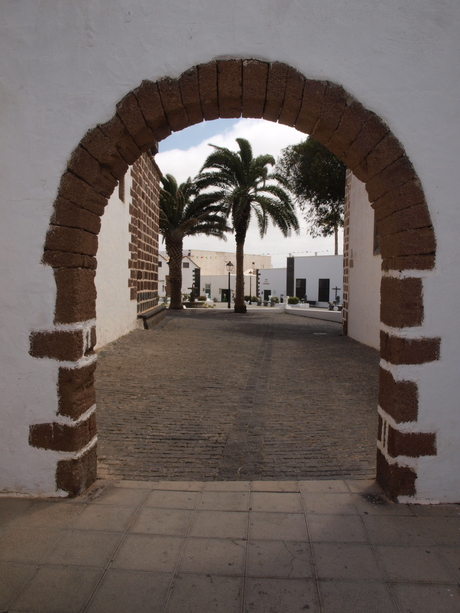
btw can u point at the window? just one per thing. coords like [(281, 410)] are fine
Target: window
[(323, 290), (185, 264), (160, 263)]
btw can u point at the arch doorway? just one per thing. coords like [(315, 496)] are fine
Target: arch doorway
[(234, 88)]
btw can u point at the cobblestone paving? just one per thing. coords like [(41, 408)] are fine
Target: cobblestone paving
[(212, 395)]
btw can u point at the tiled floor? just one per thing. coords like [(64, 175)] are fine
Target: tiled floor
[(229, 547)]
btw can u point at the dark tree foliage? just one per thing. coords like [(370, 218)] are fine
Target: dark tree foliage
[(316, 177)]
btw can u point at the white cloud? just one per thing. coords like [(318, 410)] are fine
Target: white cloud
[(265, 137)]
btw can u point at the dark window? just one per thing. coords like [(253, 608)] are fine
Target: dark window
[(323, 290), (301, 289), (160, 264), (185, 264)]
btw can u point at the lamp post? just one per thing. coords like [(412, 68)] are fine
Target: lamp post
[(251, 272), (229, 268)]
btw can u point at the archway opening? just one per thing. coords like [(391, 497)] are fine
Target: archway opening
[(234, 88)]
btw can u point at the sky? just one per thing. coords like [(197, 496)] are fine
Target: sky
[(183, 153)]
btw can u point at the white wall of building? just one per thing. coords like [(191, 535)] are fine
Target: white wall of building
[(364, 273), (313, 268), (64, 67), (116, 313), (273, 281), (220, 282)]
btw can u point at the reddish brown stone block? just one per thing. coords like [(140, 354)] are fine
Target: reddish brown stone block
[(63, 259), (353, 119), (293, 96), (408, 195), (410, 444), (190, 94), (75, 476), (387, 151), (276, 88), (105, 152), (411, 242), (312, 102), (149, 100), (373, 131), (207, 80), (131, 115), (116, 133), (61, 238), (255, 76), (63, 437), (75, 190), (230, 87), (398, 350), (398, 398), (401, 302), (172, 104), (76, 295), (409, 262), (87, 168), (394, 176), (68, 214), (408, 219), (395, 480), (76, 390), (57, 345), (335, 102)]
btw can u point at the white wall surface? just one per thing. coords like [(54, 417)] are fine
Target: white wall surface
[(214, 262), (313, 268), (274, 280), (64, 65), (364, 272), (116, 313)]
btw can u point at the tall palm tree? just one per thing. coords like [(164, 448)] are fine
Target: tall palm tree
[(185, 212), (244, 186)]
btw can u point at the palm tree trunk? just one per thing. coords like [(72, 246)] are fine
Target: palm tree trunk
[(336, 241), (174, 250), (240, 306)]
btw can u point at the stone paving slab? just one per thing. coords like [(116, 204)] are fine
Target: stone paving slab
[(213, 395), (272, 555)]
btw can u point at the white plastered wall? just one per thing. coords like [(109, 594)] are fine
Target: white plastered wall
[(364, 273), (313, 268), (64, 65), (115, 311)]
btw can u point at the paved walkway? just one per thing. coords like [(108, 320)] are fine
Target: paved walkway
[(229, 547), (211, 395)]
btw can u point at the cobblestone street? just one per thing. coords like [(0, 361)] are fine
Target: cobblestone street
[(211, 395)]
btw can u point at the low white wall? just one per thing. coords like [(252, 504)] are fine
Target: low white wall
[(116, 313), (364, 270)]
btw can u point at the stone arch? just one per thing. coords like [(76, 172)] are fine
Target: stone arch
[(234, 88)]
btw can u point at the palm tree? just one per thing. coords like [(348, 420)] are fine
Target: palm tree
[(185, 212), (244, 186)]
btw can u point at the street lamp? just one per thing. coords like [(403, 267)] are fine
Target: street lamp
[(229, 268), (251, 272)]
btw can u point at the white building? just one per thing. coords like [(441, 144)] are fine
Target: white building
[(87, 87), (314, 279), (189, 274)]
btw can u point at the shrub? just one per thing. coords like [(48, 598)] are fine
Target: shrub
[(293, 300), (201, 297), (274, 299)]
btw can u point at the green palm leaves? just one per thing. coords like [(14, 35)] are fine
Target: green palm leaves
[(242, 185)]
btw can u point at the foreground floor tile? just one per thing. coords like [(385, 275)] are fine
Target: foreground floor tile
[(280, 595), (205, 593)]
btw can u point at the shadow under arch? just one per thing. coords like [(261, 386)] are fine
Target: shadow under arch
[(231, 89)]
